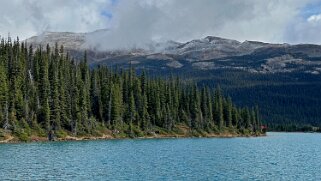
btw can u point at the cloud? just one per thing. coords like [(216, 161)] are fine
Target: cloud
[(304, 30), (314, 18), (25, 18), (135, 23)]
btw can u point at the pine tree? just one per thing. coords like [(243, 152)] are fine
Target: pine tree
[(235, 116), (145, 123), (196, 112), (131, 111), (3, 98), (209, 109), (204, 107), (218, 115), (44, 117), (253, 120), (63, 77), (116, 105), (55, 101), (74, 102), (257, 118), (228, 112), (247, 118)]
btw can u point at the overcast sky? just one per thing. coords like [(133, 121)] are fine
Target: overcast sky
[(130, 21)]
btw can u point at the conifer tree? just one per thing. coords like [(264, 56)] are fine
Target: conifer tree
[(44, 117), (235, 116), (145, 124), (131, 111), (54, 90), (228, 112), (219, 118), (116, 104), (4, 122)]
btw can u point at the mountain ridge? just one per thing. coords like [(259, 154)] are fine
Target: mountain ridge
[(210, 51)]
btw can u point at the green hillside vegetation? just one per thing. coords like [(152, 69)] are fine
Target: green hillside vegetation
[(44, 90), (288, 100)]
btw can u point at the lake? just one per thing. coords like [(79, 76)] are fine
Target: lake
[(278, 156)]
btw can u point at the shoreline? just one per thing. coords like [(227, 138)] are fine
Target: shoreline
[(12, 140)]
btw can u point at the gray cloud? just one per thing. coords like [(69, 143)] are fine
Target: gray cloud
[(25, 18), (137, 22), (304, 30)]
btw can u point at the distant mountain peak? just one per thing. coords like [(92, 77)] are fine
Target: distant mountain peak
[(208, 53), (219, 39)]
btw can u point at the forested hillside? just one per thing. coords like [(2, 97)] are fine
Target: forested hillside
[(284, 80), (45, 91), (288, 102)]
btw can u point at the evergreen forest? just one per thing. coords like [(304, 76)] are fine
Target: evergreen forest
[(43, 89)]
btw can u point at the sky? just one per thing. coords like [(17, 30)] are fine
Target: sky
[(134, 22)]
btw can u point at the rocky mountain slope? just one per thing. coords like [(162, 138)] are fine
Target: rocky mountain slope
[(209, 53)]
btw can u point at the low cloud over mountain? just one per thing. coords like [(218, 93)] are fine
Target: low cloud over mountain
[(135, 23)]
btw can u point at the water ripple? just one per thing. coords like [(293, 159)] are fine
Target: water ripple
[(279, 156)]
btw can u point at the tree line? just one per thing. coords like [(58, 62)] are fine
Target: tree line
[(45, 89)]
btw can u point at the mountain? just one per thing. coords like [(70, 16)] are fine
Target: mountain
[(283, 79), (209, 53), (68, 39)]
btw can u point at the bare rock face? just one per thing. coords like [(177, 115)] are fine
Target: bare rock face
[(67, 39), (209, 53), (204, 65), (174, 64)]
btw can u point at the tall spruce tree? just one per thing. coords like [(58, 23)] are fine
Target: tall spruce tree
[(44, 117), (219, 117)]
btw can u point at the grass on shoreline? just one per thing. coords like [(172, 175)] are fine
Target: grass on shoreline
[(179, 131)]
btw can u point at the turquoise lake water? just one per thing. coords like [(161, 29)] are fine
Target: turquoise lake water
[(278, 156)]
